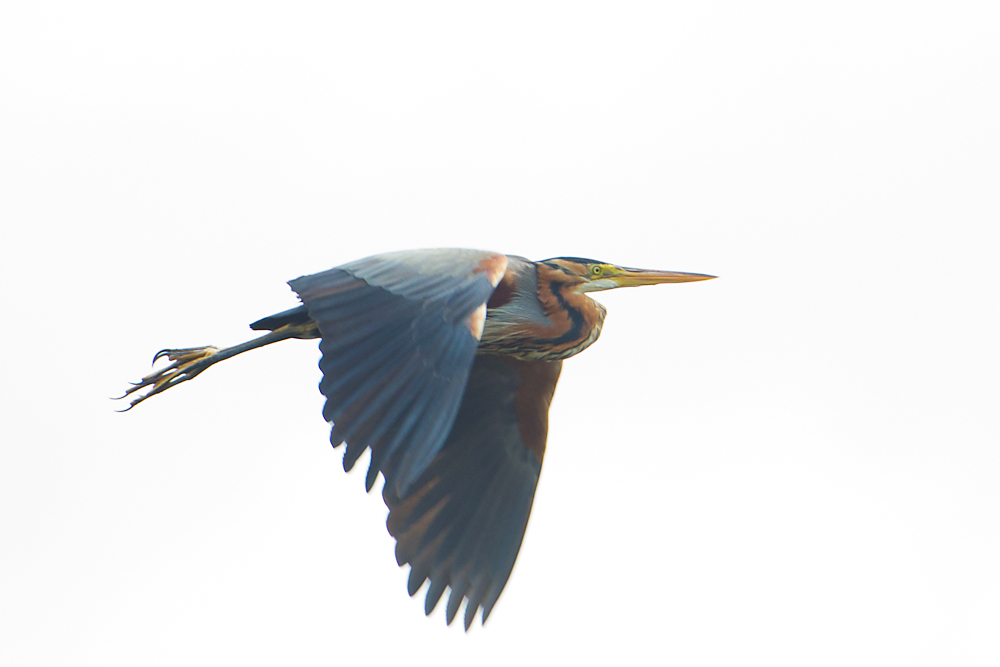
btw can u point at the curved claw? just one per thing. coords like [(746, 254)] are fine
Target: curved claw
[(187, 363), (159, 355)]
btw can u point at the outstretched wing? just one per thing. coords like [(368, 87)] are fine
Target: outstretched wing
[(462, 524), (399, 334)]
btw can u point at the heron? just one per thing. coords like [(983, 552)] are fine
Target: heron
[(443, 364)]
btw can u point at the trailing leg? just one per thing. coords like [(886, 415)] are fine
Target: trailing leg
[(191, 361)]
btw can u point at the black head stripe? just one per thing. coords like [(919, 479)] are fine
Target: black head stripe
[(578, 260)]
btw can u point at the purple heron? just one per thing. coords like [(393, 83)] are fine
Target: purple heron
[(443, 363)]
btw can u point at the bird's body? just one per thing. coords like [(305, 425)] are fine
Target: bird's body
[(443, 364)]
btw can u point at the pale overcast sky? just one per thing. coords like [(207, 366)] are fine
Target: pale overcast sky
[(796, 464)]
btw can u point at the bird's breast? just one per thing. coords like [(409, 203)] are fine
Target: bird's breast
[(550, 325)]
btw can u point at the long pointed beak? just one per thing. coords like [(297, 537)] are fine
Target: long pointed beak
[(635, 277)]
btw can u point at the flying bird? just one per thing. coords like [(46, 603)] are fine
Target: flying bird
[(443, 363)]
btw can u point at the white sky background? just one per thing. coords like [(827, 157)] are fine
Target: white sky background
[(796, 464)]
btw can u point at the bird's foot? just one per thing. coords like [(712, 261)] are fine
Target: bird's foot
[(188, 362)]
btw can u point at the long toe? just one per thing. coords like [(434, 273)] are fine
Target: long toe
[(187, 363), (186, 354)]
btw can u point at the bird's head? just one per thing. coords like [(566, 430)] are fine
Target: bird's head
[(590, 275)]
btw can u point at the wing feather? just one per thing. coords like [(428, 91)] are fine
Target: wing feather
[(397, 348), (463, 523)]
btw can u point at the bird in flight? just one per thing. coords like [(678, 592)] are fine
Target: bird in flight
[(443, 363)]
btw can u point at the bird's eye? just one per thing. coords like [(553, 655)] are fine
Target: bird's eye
[(596, 270)]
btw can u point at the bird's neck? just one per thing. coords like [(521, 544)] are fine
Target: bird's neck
[(576, 319)]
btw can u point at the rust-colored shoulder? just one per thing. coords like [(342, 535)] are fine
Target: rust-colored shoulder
[(532, 400), (494, 266)]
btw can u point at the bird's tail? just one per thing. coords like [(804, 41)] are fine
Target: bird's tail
[(285, 318)]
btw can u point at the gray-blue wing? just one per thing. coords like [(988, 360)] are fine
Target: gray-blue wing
[(463, 522), (399, 335)]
